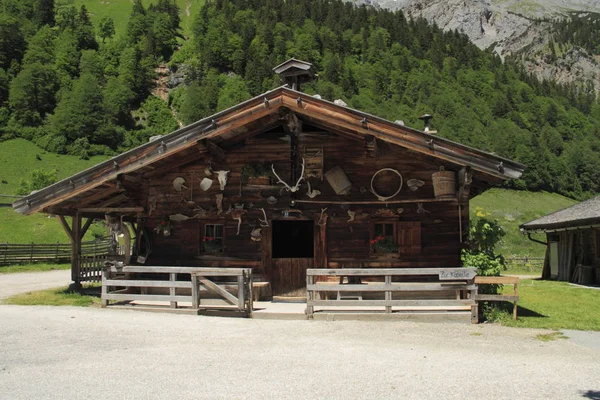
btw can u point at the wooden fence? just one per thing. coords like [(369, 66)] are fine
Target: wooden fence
[(223, 289), (420, 289), (533, 264), (31, 253)]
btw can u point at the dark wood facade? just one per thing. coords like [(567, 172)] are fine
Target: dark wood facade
[(281, 128)]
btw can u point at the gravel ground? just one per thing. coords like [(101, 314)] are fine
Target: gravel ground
[(11, 284), (90, 353)]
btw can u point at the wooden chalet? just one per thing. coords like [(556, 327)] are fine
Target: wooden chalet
[(572, 242), (282, 183)]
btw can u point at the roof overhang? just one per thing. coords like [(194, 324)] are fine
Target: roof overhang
[(267, 108)]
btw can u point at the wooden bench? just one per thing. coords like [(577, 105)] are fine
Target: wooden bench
[(499, 280), (439, 281)]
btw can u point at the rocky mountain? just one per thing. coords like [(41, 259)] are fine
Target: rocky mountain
[(514, 28)]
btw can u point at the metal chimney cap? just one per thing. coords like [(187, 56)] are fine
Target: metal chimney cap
[(425, 117)]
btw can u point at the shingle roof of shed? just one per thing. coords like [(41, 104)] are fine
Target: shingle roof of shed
[(582, 214)]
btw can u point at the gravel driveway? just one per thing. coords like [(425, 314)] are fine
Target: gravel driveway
[(11, 284), (89, 353)]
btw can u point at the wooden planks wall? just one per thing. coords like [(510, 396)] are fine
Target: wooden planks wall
[(440, 230)]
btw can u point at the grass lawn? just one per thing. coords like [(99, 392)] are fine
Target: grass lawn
[(18, 160), (119, 11), (514, 207), (555, 305), (11, 269), (90, 296)]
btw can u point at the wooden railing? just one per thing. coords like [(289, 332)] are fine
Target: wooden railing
[(31, 253), (435, 282), (533, 264), (194, 285), (499, 280)]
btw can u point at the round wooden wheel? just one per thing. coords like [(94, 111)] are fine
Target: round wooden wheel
[(385, 198)]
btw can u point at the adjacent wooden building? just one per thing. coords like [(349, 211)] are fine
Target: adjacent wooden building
[(280, 183), (572, 242)]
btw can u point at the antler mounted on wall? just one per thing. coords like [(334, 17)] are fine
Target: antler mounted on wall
[(289, 188)]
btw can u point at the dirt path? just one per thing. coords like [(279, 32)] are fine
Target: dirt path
[(11, 284)]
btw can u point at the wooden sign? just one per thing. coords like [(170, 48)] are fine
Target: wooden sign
[(457, 273)]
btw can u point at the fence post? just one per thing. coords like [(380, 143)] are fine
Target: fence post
[(56, 252), (31, 253), (5, 251)]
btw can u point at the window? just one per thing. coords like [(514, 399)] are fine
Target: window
[(384, 238), (402, 237), (212, 238)]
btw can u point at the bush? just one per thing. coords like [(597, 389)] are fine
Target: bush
[(38, 179), (484, 236)]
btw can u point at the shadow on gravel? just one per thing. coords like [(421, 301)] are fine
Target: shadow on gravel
[(591, 394)]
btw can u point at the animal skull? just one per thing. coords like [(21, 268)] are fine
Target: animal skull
[(222, 176)]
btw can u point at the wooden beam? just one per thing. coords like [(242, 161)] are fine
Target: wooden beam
[(111, 210), (465, 178), (175, 163), (76, 248), (149, 153), (99, 195), (86, 226), (441, 148), (210, 285), (66, 227), (115, 200), (216, 151), (382, 203)]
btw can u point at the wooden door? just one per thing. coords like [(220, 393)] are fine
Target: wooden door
[(288, 276)]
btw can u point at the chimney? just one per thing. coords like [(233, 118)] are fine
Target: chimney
[(426, 118), (295, 72)]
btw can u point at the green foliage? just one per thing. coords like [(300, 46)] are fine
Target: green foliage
[(57, 297), (484, 236), (256, 170), (511, 208), (106, 28), (542, 305), (38, 179), (374, 59)]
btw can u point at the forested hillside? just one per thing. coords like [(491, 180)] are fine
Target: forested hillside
[(75, 87)]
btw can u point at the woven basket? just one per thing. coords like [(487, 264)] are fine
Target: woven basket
[(444, 183)]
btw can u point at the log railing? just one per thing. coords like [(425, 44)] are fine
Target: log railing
[(198, 286), (30, 253), (436, 281)]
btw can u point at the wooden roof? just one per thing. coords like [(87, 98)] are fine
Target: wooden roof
[(582, 214), (104, 184)]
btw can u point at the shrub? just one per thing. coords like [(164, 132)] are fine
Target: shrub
[(38, 179)]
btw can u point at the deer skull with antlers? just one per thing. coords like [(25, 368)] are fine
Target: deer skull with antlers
[(289, 188)]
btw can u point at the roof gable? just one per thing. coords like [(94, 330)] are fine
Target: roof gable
[(259, 114)]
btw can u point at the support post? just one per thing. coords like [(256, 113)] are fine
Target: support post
[(310, 309), (76, 249), (475, 306), (172, 290), (105, 277), (388, 294), (195, 292)]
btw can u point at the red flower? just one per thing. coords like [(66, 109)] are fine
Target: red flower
[(163, 222)]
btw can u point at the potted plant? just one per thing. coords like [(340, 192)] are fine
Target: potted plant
[(384, 245), (256, 174), (164, 227), (211, 245)]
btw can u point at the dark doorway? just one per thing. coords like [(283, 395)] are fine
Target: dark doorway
[(293, 239)]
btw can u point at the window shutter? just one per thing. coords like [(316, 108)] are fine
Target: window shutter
[(409, 237)]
